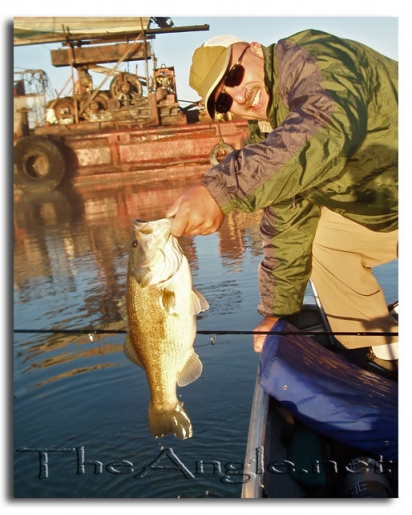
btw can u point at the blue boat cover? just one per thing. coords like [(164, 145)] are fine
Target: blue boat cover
[(329, 394)]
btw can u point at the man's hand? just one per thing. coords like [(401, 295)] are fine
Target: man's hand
[(259, 339), (196, 212)]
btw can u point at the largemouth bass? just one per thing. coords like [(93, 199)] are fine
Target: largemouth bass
[(161, 308)]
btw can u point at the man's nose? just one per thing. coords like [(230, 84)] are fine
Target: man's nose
[(238, 94)]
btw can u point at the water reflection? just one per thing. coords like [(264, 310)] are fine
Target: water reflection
[(70, 258), (240, 233), (70, 390)]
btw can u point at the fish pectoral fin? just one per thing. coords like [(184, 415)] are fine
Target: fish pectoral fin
[(198, 302), (173, 305), (191, 370), (130, 352), (168, 299)]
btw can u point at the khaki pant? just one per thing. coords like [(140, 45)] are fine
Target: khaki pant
[(343, 254)]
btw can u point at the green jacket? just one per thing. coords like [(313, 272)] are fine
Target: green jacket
[(334, 110)]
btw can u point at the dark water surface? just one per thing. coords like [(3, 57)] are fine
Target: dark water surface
[(80, 406)]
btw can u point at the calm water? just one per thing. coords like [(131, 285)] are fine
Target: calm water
[(80, 426)]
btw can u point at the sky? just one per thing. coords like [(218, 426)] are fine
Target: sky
[(381, 33)]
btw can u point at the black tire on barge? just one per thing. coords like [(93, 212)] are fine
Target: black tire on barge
[(39, 164)]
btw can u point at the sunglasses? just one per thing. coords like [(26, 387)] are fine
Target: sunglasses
[(233, 78)]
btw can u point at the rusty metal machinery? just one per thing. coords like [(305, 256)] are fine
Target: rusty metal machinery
[(125, 84), (165, 78), (124, 100), (64, 110)]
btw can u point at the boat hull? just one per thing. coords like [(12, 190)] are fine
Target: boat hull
[(315, 414), (95, 155)]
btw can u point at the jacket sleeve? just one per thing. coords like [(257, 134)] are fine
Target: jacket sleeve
[(287, 232), (325, 125)]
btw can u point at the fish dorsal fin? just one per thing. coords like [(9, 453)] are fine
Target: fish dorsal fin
[(130, 352), (197, 302), (191, 371)]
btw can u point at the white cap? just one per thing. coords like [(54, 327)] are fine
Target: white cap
[(225, 40)]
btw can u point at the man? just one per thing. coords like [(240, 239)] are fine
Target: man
[(321, 162)]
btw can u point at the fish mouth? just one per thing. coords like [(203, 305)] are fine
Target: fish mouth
[(160, 229), (152, 236), (140, 221)]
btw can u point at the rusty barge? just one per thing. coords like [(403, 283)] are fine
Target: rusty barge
[(130, 127)]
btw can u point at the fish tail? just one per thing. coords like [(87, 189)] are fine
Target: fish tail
[(174, 421)]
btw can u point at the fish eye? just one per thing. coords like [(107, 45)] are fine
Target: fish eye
[(134, 243)]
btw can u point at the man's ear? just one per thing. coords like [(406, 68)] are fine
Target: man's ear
[(257, 48)]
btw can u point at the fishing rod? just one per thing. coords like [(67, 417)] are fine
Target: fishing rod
[(209, 333)]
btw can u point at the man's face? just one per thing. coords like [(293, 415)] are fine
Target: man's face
[(250, 98)]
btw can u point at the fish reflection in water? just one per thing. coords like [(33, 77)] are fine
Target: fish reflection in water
[(161, 311)]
